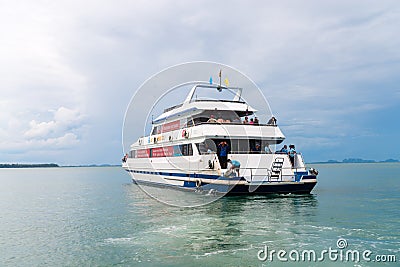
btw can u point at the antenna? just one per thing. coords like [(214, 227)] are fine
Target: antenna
[(219, 86)]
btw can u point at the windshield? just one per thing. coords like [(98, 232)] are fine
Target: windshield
[(213, 93)]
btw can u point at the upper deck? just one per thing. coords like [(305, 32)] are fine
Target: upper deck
[(209, 98)]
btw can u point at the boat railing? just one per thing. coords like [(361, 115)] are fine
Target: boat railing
[(264, 174), (224, 124), (268, 174), (219, 100), (228, 123)]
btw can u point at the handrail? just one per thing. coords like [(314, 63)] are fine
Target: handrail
[(209, 123), (218, 100), (230, 123), (251, 153), (252, 174)]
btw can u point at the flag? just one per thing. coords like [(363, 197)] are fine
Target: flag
[(226, 82), (220, 73), (210, 80)]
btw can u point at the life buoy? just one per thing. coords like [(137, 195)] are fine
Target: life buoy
[(198, 183), (185, 134)]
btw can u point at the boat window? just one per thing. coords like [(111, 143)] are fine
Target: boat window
[(206, 147), (259, 146), (243, 114), (155, 130), (243, 146), (200, 120), (240, 146), (213, 93), (266, 147), (186, 149), (190, 122), (190, 150)]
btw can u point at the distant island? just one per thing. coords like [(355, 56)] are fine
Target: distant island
[(50, 165), (23, 165), (357, 160)]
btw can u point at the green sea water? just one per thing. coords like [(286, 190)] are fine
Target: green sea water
[(97, 217)]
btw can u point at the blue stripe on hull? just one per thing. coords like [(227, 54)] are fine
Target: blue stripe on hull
[(305, 177), (189, 175), (177, 174)]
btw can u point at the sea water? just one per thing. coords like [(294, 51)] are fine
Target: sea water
[(98, 217)]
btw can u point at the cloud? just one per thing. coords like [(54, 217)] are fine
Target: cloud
[(67, 141), (64, 119), (41, 129), (63, 131)]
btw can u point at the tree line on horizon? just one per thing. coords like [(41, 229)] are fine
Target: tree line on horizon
[(357, 160), (24, 165)]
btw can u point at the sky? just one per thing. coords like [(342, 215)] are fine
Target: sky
[(68, 69)]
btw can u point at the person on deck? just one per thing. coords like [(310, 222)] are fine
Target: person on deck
[(212, 119), (272, 121), (292, 153), (246, 120), (283, 150), (125, 158), (223, 149), (257, 148), (233, 165), (256, 121)]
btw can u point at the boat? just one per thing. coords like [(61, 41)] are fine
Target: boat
[(183, 149)]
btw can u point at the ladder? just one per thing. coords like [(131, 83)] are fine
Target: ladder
[(276, 169)]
